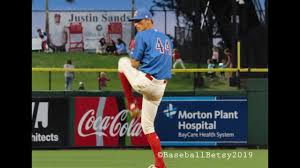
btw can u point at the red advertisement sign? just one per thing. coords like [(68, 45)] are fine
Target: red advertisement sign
[(96, 123), (100, 122)]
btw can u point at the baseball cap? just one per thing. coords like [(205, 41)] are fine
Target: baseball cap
[(141, 13)]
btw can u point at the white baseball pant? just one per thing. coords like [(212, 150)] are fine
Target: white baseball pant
[(179, 61), (152, 91)]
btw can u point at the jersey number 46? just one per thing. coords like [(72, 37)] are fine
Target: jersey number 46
[(163, 47)]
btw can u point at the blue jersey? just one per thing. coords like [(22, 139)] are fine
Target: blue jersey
[(154, 51)]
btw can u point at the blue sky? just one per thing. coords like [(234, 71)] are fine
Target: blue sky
[(94, 4), (90, 4)]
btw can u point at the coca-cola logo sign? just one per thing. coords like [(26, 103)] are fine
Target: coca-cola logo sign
[(104, 121), (99, 125)]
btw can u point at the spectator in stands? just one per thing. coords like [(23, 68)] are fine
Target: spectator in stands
[(111, 46), (81, 86), (210, 65), (228, 58), (69, 75), (58, 35), (177, 59), (215, 56), (101, 49), (102, 79), (44, 38), (121, 47), (222, 65)]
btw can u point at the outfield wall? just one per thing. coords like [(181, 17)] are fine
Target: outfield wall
[(99, 119)]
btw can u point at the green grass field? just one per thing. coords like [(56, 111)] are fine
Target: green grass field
[(140, 158), (40, 80)]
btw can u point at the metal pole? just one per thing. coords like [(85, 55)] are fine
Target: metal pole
[(233, 78), (237, 21), (132, 24), (238, 63), (47, 18), (238, 54)]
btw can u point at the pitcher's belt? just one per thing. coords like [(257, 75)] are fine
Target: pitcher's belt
[(150, 77)]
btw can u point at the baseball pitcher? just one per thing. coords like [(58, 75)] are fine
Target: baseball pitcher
[(147, 71)]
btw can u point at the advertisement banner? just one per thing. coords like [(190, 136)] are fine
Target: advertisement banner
[(202, 121), (50, 122), (104, 121), (94, 23)]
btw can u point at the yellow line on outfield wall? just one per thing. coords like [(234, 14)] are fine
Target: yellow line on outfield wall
[(206, 70), (259, 70), (74, 70), (173, 70)]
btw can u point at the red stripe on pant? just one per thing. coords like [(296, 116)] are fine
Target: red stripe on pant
[(127, 89), (154, 142)]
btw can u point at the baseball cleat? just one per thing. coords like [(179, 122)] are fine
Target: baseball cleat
[(152, 166)]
